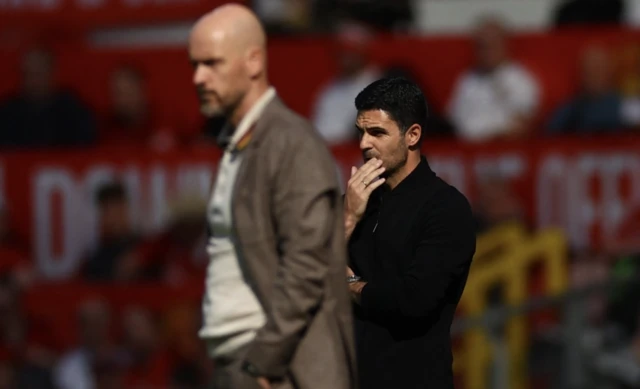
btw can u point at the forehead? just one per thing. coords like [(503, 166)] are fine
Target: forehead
[(375, 118), (207, 42)]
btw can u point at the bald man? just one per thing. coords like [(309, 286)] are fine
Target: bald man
[(276, 309)]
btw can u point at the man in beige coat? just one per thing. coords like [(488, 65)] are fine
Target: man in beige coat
[(277, 313)]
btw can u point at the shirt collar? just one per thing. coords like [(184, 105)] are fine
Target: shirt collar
[(229, 138), (419, 176)]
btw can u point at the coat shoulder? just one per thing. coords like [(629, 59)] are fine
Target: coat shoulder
[(289, 132), (293, 147)]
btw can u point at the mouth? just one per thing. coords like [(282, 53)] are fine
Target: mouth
[(368, 156), (206, 95)]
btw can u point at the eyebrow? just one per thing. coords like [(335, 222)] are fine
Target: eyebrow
[(205, 60), (375, 128)]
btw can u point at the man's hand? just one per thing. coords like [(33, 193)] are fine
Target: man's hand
[(356, 290), (362, 183), (264, 383)]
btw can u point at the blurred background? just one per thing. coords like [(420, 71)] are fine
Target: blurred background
[(106, 163)]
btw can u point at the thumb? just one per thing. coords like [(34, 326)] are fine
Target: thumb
[(353, 170)]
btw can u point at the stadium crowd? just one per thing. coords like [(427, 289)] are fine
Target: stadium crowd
[(497, 98)]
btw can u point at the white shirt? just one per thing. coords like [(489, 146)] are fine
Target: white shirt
[(334, 115), (483, 105), (74, 371), (231, 311)]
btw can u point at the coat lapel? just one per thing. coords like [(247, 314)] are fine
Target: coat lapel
[(248, 146), (241, 201)]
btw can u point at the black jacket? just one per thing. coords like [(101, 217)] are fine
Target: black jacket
[(413, 247)]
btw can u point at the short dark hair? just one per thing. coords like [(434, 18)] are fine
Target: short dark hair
[(110, 192), (400, 98)]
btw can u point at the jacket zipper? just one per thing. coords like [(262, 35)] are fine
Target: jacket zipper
[(378, 217)]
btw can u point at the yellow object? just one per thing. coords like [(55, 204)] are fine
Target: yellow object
[(503, 258)]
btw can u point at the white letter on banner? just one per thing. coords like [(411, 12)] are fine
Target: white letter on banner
[(584, 211), (132, 180), (45, 183), (550, 191), (508, 166), (158, 197), (614, 205)]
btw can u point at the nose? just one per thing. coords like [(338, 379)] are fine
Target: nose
[(365, 141), (199, 75)]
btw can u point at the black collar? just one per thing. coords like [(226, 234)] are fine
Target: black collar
[(420, 176)]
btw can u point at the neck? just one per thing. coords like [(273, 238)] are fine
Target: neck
[(248, 102), (413, 160)]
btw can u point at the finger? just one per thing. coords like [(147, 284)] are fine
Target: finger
[(372, 186), (349, 272), (354, 172), (373, 175), (367, 168)]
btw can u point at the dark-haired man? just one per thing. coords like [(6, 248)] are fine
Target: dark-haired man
[(113, 257), (411, 241)]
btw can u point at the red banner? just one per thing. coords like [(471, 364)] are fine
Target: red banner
[(588, 187), (100, 13)]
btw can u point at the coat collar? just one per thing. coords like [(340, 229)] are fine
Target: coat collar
[(262, 125), (237, 138)]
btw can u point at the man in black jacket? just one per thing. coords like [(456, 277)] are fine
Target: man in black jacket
[(411, 241)]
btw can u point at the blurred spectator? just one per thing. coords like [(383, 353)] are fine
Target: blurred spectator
[(113, 259), (41, 114), (624, 301), (108, 375), (146, 363), (14, 259), (597, 106), (589, 12), (7, 379), (191, 368), (334, 114), (380, 14), (76, 369), (284, 16), (630, 86), (496, 204), (24, 340), (178, 254), (437, 126), (131, 119), (497, 98)]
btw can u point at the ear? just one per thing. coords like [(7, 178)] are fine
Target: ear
[(255, 61), (412, 136)]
